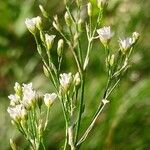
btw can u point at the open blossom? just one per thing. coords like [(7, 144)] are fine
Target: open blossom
[(18, 112), (49, 39), (105, 34), (32, 23), (125, 44), (29, 95), (65, 80), (14, 99), (49, 99)]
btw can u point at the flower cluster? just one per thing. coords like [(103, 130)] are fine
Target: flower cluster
[(25, 112)]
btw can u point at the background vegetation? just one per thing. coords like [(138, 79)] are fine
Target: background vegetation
[(125, 124)]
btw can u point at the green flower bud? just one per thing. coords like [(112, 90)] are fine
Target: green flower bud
[(44, 13), (68, 19), (89, 9), (13, 145), (111, 60), (18, 89), (60, 47), (45, 70)]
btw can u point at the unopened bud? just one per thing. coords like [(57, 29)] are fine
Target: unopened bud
[(56, 23), (44, 13), (13, 145), (80, 22), (102, 3), (111, 60), (18, 89), (89, 9), (68, 19), (78, 2), (60, 47), (77, 79), (45, 70), (42, 36), (135, 37)]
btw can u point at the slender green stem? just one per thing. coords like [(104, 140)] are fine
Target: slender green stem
[(47, 117), (83, 138), (80, 107)]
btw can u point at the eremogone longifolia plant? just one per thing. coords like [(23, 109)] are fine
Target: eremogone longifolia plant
[(26, 104)]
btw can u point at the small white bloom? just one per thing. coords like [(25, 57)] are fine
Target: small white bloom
[(49, 39), (14, 99), (65, 80), (30, 24), (49, 99), (105, 101), (105, 34), (28, 95), (125, 44), (33, 23), (18, 112)]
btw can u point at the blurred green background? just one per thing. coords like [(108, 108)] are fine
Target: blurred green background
[(125, 124)]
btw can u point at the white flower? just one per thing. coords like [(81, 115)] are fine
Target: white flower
[(65, 80), (49, 99), (30, 24), (18, 112), (125, 44), (29, 95), (14, 99), (105, 101), (49, 39), (105, 34), (33, 23)]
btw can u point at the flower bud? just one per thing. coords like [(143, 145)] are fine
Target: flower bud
[(68, 19), (45, 70), (44, 13), (78, 2), (60, 47), (111, 60), (102, 3), (12, 144), (24, 114), (49, 39), (18, 89), (77, 79), (135, 37), (56, 23), (89, 9), (80, 22)]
